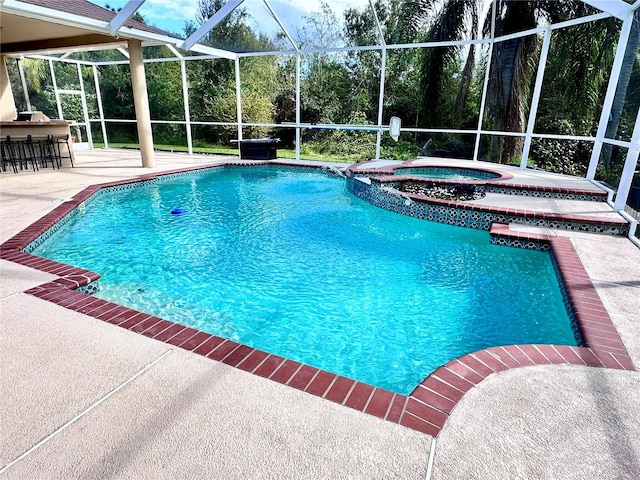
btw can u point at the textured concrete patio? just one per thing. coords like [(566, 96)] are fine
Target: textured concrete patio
[(82, 398)]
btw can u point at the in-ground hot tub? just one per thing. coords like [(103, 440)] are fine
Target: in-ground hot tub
[(448, 173)]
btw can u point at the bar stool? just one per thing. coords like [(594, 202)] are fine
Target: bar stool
[(7, 155), (59, 140), (25, 153), (47, 151)]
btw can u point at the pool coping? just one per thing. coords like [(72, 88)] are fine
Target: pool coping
[(430, 404)]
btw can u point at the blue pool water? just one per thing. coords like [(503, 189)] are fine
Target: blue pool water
[(288, 261)]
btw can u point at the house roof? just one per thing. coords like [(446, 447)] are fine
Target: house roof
[(87, 9), (38, 26)]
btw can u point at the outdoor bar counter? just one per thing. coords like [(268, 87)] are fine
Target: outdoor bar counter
[(40, 129)]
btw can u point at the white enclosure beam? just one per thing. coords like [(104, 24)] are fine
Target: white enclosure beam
[(85, 109), (381, 102), (100, 109), (610, 95), (213, 52), (629, 168), (124, 14), (617, 8), (216, 18), (378, 26), (175, 51), (298, 136), (535, 100), (284, 29), (23, 81), (185, 100), (238, 102), (483, 99), (56, 92)]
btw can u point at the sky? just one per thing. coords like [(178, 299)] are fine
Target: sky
[(171, 15)]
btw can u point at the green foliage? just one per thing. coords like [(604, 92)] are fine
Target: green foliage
[(401, 150), (569, 157), (425, 87), (164, 87)]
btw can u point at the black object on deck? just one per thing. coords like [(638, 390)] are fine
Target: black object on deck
[(259, 149)]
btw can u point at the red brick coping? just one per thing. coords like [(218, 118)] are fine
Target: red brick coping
[(426, 409)]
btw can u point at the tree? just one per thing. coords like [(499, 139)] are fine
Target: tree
[(212, 90), (630, 59), (511, 70), (325, 80)]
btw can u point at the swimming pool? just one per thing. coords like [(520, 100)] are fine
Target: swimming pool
[(289, 262)]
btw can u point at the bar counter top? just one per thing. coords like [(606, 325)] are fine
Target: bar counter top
[(48, 123)]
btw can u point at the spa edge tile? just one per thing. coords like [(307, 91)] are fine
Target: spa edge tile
[(411, 421), (476, 365), (269, 366), (195, 341), (436, 385), (397, 408), (607, 359), (285, 371), (169, 332), (359, 396), (302, 377), (452, 379), (339, 390), (223, 350), (146, 324), (252, 361), (379, 403), (504, 356), (183, 336), (587, 356), (208, 346), (135, 320), (320, 383), (569, 354), (550, 353), (433, 399), (425, 412), (519, 355), (531, 352), (464, 371), (238, 355)]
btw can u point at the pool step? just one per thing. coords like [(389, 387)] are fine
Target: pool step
[(380, 192), (541, 191)]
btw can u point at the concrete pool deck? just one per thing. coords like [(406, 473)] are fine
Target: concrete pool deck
[(110, 403)]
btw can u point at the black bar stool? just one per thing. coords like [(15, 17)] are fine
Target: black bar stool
[(7, 155), (47, 151), (25, 153), (59, 140)]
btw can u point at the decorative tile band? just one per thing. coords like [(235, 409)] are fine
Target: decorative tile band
[(478, 174), (500, 234), (528, 191), (426, 409), (384, 195)]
